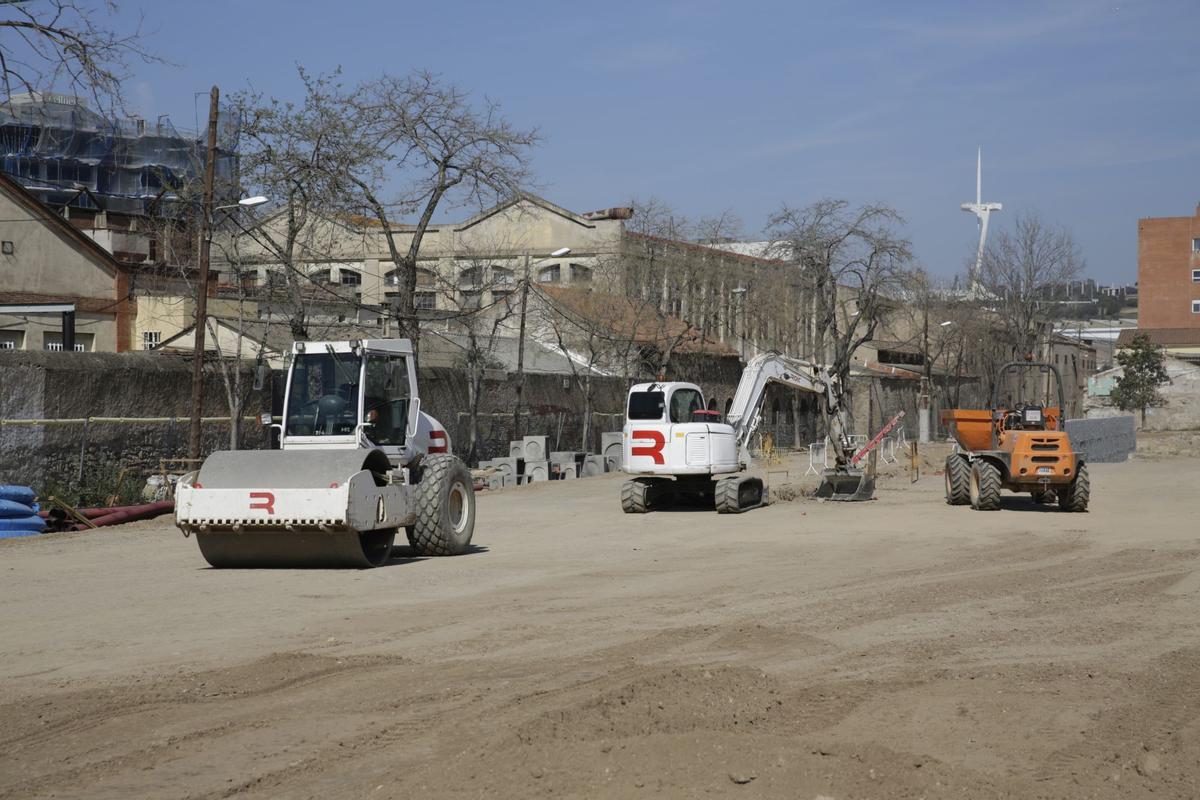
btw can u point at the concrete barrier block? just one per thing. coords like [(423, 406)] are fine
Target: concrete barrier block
[(1104, 440)]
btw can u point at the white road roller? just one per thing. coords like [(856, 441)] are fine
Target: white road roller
[(359, 460)]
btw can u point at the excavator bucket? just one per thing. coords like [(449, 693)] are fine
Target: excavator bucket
[(851, 485)]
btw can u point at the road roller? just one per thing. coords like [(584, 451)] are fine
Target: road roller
[(358, 462)]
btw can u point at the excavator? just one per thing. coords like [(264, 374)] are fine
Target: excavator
[(358, 461), (678, 452)]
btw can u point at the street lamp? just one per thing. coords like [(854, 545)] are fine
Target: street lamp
[(562, 251)]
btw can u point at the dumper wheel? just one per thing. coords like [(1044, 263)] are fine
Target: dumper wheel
[(985, 486), (635, 497), (958, 480), (445, 504), (1075, 495)]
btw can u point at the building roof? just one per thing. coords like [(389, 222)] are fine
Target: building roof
[(623, 317), (1163, 337), (704, 249)]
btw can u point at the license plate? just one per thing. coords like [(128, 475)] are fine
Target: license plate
[(1045, 470)]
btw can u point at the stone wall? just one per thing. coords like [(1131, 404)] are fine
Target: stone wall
[(1110, 440), (44, 385), (1179, 412)]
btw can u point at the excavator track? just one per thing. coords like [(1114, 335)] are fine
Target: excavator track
[(739, 493)]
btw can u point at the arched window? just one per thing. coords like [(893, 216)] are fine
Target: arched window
[(712, 404), (581, 273), (349, 277), (502, 277), (470, 278), (550, 274)]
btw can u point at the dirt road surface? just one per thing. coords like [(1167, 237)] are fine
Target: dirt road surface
[(899, 648)]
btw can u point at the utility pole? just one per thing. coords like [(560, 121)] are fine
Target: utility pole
[(521, 352), (202, 289)]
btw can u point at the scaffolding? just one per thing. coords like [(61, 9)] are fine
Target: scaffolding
[(67, 154)]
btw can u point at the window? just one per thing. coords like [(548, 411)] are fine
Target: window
[(502, 277), (52, 340), (350, 278), (11, 340), (385, 399), (683, 403), (550, 274), (470, 278), (1196, 245), (151, 339), (424, 301), (1196, 276), (323, 395), (580, 273), (1196, 306), (646, 405)]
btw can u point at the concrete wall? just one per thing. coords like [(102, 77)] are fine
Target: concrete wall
[(71, 385), (1109, 440)]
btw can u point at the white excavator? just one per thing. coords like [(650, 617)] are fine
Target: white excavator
[(358, 461), (678, 452)]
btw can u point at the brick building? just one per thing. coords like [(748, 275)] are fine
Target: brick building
[(1169, 273)]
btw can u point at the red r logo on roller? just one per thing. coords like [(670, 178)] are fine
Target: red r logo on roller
[(266, 502)]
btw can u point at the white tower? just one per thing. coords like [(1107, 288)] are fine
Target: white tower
[(981, 210)]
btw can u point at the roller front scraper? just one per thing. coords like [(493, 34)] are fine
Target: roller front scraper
[(358, 462)]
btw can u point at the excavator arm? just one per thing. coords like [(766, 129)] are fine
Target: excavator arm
[(745, 412)]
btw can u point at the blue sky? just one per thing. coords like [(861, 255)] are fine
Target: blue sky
[(1088, 112)]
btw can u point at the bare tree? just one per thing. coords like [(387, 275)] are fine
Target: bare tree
[(1020, 271), (852, 263), (68, 45), (284, 146), (480, 299), (432, 141)]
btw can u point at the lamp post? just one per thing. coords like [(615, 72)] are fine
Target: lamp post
[(562, 251)]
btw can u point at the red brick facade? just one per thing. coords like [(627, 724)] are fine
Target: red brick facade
[(1168, 252)]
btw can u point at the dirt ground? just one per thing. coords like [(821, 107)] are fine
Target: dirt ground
[(898, 648)]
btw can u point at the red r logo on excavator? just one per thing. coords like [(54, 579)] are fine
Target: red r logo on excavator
[(654, 450), (266, 502)]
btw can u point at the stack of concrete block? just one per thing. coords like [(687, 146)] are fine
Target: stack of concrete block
[(1105, 439), (564, 462), (536, 471), (592, 466), (610, 448)]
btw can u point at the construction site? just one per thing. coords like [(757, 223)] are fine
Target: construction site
[(571, 403)]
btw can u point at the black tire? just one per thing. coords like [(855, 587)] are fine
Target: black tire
[(1075, 496), (445, 506), (635, 497), (985, 485), (726, 496), (958, 480)]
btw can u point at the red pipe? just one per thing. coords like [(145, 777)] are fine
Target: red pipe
[(129, 514)]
